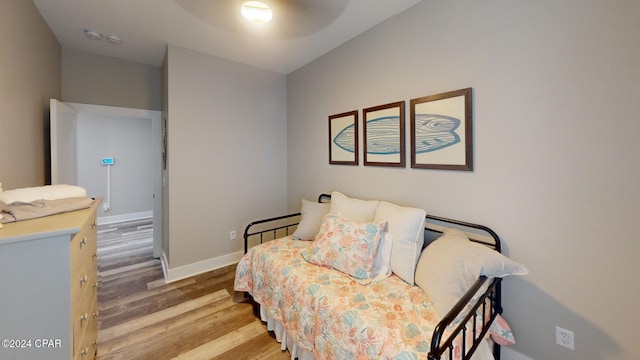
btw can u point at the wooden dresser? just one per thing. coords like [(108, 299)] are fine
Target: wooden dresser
[(48, 287)]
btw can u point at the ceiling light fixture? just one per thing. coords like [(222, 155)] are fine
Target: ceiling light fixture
[(92, 34), (256, 11)]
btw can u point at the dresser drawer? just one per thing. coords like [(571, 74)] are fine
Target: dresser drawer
[(85, 319), (84, 246), (88, 345), (86, 255), (84, 283)]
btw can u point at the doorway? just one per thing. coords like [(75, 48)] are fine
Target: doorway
[(93, 145)]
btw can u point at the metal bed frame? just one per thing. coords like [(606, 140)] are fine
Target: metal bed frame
[(490, 302)]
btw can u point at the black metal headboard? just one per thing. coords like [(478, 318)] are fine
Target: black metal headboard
[(433, 225)]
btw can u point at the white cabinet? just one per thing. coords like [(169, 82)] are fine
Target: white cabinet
[(48, 287)]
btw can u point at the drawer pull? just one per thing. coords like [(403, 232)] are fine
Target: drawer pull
[(83, 280), (85, 352), (83, 242), (84, 317), (95, 286), (96, 313), (95, 256)]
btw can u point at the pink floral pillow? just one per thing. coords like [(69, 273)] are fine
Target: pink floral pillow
[(347, 246)]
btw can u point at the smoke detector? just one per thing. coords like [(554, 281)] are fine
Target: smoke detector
[(112, 39), (92, 34)]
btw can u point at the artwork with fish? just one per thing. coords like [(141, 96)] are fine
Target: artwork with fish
[(345, 127), (433, 132), (441, 131)]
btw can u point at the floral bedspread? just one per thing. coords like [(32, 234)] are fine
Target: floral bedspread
[(331, 315)]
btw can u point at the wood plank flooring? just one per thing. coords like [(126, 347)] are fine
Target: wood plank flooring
[(141, 317)]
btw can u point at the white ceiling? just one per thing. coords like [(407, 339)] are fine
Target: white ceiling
[(210, 26)]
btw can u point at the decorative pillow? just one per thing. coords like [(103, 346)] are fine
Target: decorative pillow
[(501, 333), (452, 263), (310, 219), (406, 225), (347, 246), (354, 209)]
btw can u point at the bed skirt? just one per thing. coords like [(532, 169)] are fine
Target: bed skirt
[(286, 341)]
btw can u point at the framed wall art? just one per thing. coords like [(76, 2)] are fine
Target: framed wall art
[(343, 138), (383, 128), (441, 131)]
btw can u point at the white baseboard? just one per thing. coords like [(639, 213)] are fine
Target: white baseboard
[(124, 217), (507, 354), (181, 272)]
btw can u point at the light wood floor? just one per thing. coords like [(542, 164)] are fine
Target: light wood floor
[(141, 317)]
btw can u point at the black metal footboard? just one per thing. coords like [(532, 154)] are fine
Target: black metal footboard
[(490, 301), (484, 310)]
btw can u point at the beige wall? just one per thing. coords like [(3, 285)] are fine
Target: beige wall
[(556, 149), (226, 153), (102, 80), (30, 76)]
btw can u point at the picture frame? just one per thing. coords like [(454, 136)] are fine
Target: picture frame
[(442, 132), (384, 135), (343, 138)]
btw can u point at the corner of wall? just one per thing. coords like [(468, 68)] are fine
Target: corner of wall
[(182, 272)]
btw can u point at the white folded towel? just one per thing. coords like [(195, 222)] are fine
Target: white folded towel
[(48, 192)]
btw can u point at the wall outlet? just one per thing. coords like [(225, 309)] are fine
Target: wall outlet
[(232, 235), (564, 338)]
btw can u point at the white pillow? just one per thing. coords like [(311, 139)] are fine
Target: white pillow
[(406, 225), (452, 263), (382, 262), (310, 219), (354, 209)]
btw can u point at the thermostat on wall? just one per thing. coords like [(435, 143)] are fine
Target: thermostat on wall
[(107, 161)]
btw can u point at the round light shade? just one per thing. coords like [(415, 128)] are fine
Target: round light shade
[(256, 11), (294, 18)]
